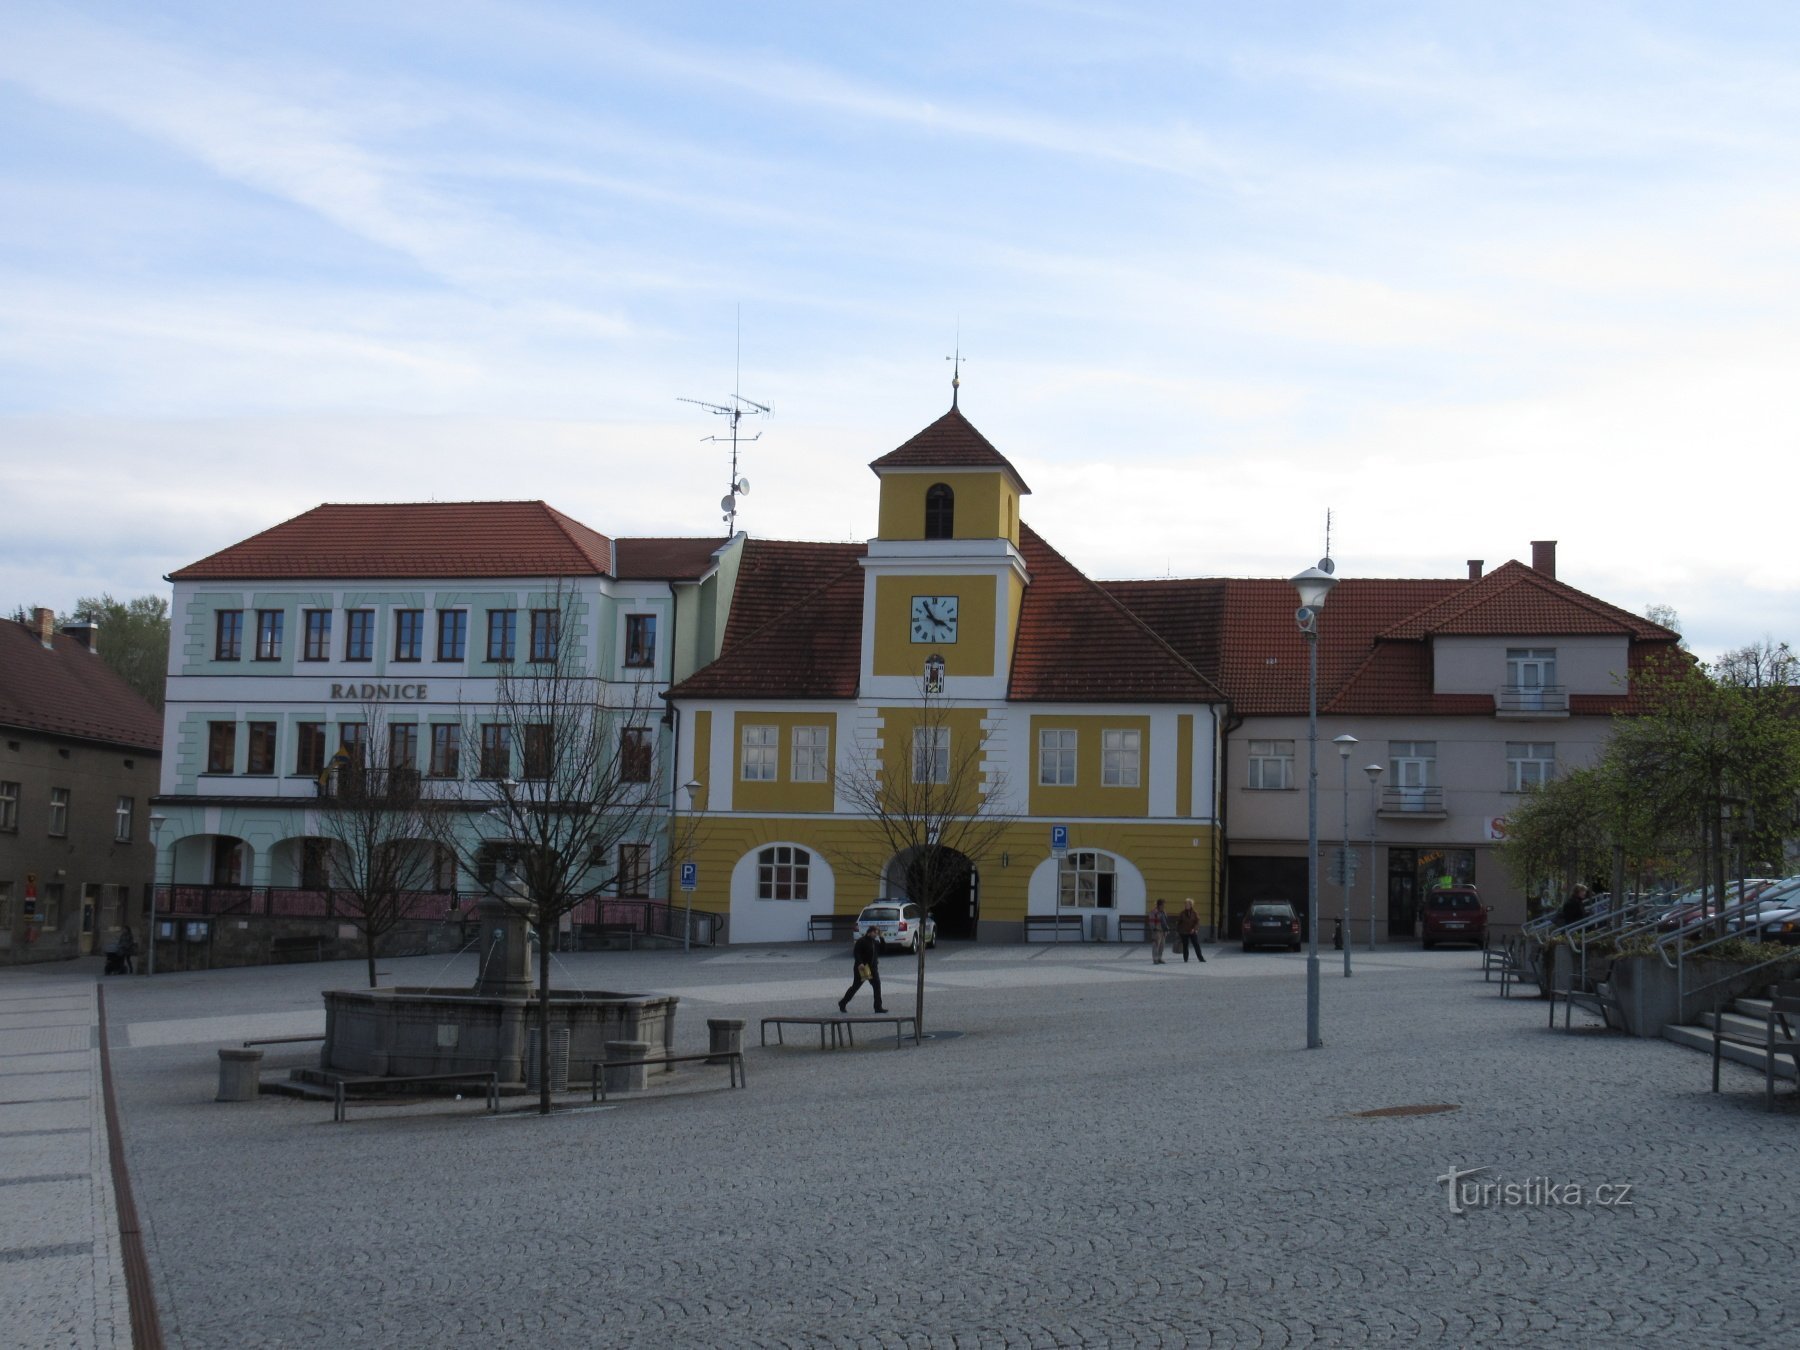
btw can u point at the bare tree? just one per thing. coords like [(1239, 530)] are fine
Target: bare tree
[(932, 803), (382, 829), (565, 788)]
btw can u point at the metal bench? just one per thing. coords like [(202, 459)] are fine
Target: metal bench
[(735, 1059), (283, 949), (830, 926), (841, 1028), (1058, 924), (1778, 1037), (343, 1086)]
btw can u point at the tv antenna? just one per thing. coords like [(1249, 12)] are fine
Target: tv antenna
[(736, 410)]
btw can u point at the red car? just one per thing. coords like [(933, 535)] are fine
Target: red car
[(1454, 914)]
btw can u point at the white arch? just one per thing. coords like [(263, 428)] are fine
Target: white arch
[(1131, 893), (754, 920)]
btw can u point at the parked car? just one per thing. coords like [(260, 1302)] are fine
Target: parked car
[(1271, 923), (1454, 914), (1688, 914), (1776, 914), (897, 923)]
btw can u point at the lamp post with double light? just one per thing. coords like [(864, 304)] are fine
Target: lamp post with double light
[(1374, 771), (1312, 585), (1343, 744), (157, 821)]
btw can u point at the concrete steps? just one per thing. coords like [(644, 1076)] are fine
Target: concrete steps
[(1745, 1016)]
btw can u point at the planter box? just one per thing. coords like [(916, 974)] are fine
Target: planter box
[(1649, 1001)]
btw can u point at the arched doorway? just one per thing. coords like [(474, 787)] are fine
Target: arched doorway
[(915, 872)]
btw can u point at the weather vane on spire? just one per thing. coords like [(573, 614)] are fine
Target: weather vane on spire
[(956, 366)]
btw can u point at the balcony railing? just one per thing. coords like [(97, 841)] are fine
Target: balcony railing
[(354, 785), (1531, 700), (1426, 802)]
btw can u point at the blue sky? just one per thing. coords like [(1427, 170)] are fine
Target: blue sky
[(1467, 275)]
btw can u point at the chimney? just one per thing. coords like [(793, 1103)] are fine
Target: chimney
[(86, 632), (1543, 556), (44, 620), (1475, 569)]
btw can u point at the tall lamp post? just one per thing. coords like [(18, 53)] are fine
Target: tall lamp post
[(1374, 771), (157, 821), (692, 788), (1312, 585), (1343, 744)]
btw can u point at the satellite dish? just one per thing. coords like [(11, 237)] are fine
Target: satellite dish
[(1327, 566), (727, 503), (743, 486)]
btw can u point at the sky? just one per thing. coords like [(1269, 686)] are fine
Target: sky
[(1462, 276)]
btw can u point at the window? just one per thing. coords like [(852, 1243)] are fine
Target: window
[(228, 634), (1413, 769), (940, 512), (760, 750), (359, 635), (9, 806), (496, 750), (309, 748), (409, 635), (1271, 766), (503, 628), (546, 628), (931, 754), (453, 634), (353, 739), (59, 812), (781, 873), (537, 750), (317, 645), (634, 755), (812, 754), (1087, 880), (268, 634), (1530, 677), (221, 747), (403, 746), (1056, 757), (122, 814), (446, 750), (1529, 764), (640, 640), (1121, 753), (262, 748), (634, 869)]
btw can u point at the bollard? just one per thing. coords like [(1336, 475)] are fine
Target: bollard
[(631, 1077), (559, 1059), (725, 1035), (239, 1072)]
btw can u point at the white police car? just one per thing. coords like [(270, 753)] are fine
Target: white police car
[(897, 923)]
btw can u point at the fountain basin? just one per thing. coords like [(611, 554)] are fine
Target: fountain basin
[(420, 1031)]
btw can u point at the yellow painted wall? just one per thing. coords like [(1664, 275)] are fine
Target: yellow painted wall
[(898, 725), (781, 793), (1088, 797), (702, 735), (973, 651), (1184, 765), (987, 505)]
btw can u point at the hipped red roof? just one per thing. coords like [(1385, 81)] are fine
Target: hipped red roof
[(66, 690), (951, 442)]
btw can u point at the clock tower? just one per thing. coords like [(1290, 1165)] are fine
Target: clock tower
[(944, 577)]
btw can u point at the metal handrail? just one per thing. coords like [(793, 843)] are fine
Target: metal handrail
[(1676, 942)]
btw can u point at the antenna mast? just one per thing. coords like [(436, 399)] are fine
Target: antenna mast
[(736, 410)]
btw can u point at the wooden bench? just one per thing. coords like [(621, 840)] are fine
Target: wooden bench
[(830, 926), (735, 1058), (842, 1027), (1058, 924), (342, 1087), (283, 949), (283, 1040), (1778, 1037)]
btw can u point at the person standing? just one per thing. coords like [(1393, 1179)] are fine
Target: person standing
[(1574, 909), (127, 949), (1187, 932), (866, 957), (1158, 924)]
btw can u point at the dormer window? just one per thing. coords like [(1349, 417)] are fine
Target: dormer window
[(940, 512)]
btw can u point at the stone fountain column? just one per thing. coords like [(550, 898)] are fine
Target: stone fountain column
[(505, 916)]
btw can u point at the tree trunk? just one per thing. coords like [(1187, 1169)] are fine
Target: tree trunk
[(543, 1019), (919, 995), (369, 952)]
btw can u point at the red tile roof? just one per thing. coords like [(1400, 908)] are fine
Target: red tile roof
[(66, 690), (951, 442), (1078, 643), (1517, 599), (665, 559), (354, 541)]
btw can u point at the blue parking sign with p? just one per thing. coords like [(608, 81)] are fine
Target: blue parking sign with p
[(1059, 838), (690, 876)]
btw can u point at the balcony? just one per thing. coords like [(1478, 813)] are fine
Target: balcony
[(1529, 702), (1413, 803)]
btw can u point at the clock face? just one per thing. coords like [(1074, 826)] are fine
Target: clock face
[(934, 618)]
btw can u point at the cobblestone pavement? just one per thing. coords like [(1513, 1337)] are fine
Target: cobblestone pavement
[(1108, 1154), (62, 1282)]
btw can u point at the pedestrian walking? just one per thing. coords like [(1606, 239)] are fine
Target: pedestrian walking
[(1574, 909), (1187, 931), (123, 950), (866, 957), (1157, 921)]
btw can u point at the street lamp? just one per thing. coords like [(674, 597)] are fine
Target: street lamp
[(693, 787), (157, 821), (1312, 585), (1343, 744), (1374, 771)]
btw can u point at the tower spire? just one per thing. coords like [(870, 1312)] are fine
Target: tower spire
[(956, 366)]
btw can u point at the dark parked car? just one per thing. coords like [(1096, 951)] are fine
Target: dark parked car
[(1454, 914), (1272, 923)]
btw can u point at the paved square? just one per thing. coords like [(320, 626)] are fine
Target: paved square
[(1108, 1154)]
